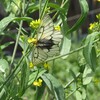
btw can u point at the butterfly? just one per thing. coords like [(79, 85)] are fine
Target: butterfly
[(48, 40)]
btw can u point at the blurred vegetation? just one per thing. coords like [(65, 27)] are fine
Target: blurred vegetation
[(71, 75)]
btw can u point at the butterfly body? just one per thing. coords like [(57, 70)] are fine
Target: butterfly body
[(45, 44)]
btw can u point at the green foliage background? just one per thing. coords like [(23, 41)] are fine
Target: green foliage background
[(73, 75)]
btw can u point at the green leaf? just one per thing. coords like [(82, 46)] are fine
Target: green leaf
[(66, 45), (42, 7), (41, 71), (4, 66), (84, 93), (23, 18), (15, 6), (4, 22), (33, 7), (78, 95), (84, 12), (89, 50), (6, 45), (73, 74), (56, 8), (24, 78), (61, 19), (93, 58), (23, 42), (87, 75), (54, 86), (32, 77), (35, 74), (65, 25), (48, 82), (2, 94), (53, 5)]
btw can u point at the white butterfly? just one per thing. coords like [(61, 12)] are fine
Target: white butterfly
[(48, 40)]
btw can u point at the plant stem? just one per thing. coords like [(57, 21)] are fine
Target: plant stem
[(17, 39), (69, 52), (67, 85), (16, 44), (11, 74), (65, 54), (62, 5), (71, 93)]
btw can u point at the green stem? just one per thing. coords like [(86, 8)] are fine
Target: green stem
[(46, 96), (71, 93), (67, 85), (11, 74), (69, 52), (62, 5), (16, 44), (15, 49), (17, 39), (40, 7), (36, 94), (34, 78), (43, 10), (65, 54)]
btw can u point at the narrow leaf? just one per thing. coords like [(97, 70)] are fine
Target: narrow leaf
[(84, 12), (6, 45), (66, 45), (4, 22), (87, 75), (89, 50), (58, 89), (4, 66), (78, 95)]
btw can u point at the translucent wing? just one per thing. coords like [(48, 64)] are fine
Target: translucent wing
[(38, 56), (48, 41), (46, 28), (57, 37), (55, 49)]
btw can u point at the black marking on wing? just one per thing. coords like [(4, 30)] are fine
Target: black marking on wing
[(47, 41), (39, 56), (45, 44), (46, 28)]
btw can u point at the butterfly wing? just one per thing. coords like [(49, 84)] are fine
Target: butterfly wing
[(46, 28), (48, 41), (38, 56), (50, 34)]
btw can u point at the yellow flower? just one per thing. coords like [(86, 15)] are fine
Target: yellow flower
[(32, 40), (35, 23), (98, 0), (57, 28), (31, 65), (46, 66), (38, 82), (93, 25), (98, 16)]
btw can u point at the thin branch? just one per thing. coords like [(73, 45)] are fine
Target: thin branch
[(65, 54), (67, 85), (78, 49), (16, 44), (72, 93)]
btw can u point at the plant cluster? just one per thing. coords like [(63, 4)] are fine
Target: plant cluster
[(34, 75)]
